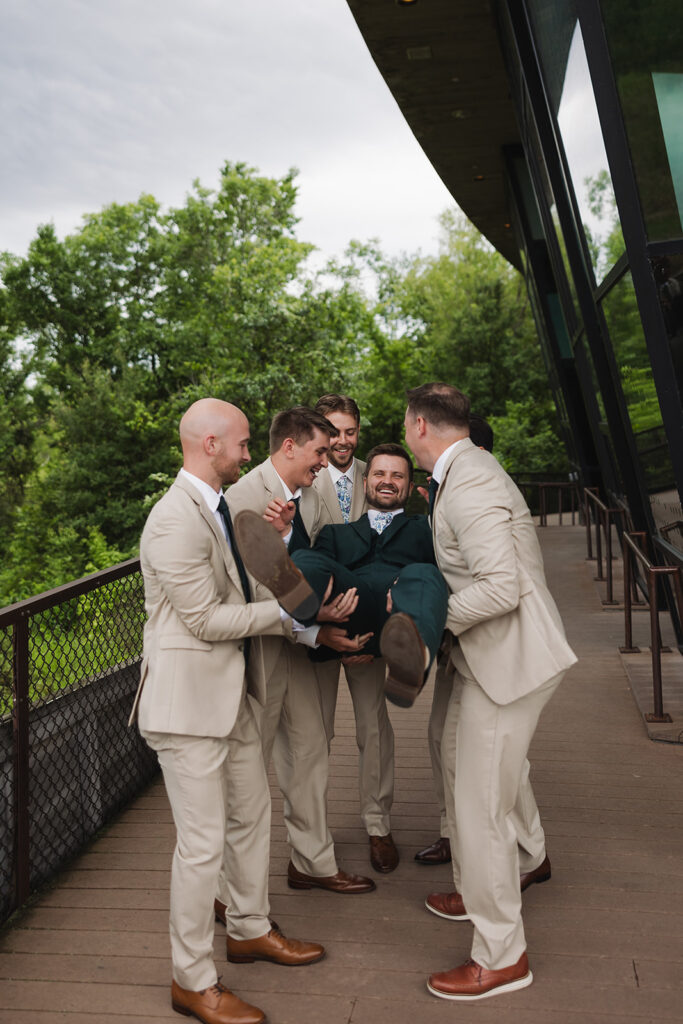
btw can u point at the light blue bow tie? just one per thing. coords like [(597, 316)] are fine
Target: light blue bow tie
[(382, 520)]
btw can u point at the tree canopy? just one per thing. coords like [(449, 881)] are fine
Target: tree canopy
[(107, 335)]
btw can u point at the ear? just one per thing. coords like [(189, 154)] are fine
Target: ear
[(410, 488), (209, 444), (288, 446), (365, 485), (421, 425)]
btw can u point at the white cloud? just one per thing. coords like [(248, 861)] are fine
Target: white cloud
[(101, 100)]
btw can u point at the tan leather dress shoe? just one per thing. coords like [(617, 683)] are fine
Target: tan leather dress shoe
[(341, 882), (438, 853), (471, 981), (220, 908), (276, 948), (448, 905), (404, 652), (540, 874), (266, 558), (383, 853), (214, 1005)]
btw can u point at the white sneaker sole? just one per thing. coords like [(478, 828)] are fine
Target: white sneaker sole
[(447, 917), (499, 990)]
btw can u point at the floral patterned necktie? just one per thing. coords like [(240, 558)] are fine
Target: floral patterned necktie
[(343, 486)]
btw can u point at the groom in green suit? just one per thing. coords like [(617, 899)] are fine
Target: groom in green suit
[(387, 556)]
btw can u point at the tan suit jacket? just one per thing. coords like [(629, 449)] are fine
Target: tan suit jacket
[(500, 608), (253, 491), (193, 672), (324, 489)]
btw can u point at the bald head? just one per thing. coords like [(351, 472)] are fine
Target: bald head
[(215, 439)]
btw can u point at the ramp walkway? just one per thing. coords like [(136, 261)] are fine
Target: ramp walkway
[(605, 935)]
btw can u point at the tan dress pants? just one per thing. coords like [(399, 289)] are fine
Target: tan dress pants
[(374, 735), (496, 832), (219, 797), (293, 733)]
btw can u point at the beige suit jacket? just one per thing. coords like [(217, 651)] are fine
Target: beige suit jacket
[(500, 607), (325, 490), (193, 672), (253, 491)]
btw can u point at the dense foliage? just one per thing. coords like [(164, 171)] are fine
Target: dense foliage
[(107, 335)]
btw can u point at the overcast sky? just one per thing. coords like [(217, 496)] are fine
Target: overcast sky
[(101, 100)]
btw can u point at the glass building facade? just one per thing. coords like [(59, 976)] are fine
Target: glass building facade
[(557, 126), (596, 197)]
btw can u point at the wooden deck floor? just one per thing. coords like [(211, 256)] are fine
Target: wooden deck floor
[(605, 936)]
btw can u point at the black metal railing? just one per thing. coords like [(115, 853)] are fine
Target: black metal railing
[(69, 667), (633, 545), (552, 497)]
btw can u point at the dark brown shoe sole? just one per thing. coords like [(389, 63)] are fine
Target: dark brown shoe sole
[(274, 960), (401, 646), (266, 558)]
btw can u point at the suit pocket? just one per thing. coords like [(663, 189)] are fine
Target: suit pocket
[(184, 642)]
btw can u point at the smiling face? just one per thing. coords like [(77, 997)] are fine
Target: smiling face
[(231, 449), (387, 484), (304, 461), (344, 445)]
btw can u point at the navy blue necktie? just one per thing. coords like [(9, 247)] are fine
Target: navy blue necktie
[(433, 488), (241, 571), (300, 533)]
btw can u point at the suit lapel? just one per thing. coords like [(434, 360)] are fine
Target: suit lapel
[(210, 520), (359, 505), (327, 493), (460, 448)]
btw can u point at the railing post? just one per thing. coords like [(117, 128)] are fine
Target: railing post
[(598, 544), (589, 533), (658, 702), (20, 723), (628, 647), (543, 510), (608, 556)]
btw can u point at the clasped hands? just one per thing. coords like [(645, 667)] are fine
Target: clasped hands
[(280, 514), (337, 610)]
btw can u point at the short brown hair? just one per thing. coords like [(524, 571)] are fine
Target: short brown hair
[(338, 403), (481, 432), (396, 450), (441, 405), (300, 423)]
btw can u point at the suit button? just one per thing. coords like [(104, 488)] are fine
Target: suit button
[(240, 647)]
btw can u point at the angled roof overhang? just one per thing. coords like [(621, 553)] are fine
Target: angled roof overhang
[(443, 64)]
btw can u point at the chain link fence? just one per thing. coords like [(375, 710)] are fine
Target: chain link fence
[(69, 668)]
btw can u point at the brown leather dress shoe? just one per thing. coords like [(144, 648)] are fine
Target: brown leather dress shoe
[(448, 905), (219, 909), (266, 558), (404, 652), (540, 874), (472, 981), (341, 882), (276, 948), (383, 853), (215, 1005), (438, 853)]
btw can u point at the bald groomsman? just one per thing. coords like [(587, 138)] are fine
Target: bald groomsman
[(201, 680)]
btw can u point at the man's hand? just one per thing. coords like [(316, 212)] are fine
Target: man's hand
[(358, 659), (280, 513), (340, 607), (424, 491), (338, 639)]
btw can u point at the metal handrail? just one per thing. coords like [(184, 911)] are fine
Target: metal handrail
[(559, 486), (632, 547), (603, 519)]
